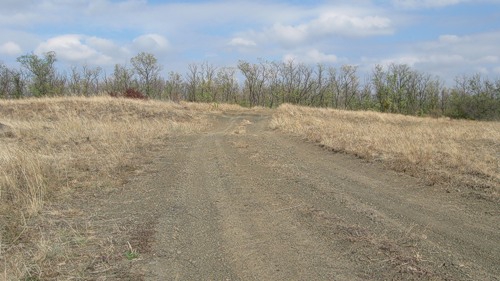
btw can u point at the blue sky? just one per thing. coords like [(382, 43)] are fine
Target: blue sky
[(440, 37)]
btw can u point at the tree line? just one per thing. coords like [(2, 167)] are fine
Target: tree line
[(396, 88)]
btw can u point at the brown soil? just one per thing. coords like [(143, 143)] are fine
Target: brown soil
[(244, 202)]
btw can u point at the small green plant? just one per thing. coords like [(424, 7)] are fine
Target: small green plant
[(131, 254)]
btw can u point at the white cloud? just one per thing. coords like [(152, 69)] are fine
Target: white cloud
[(339, 31), (452, 55), (449, 38), (419, 4), (74, 48), (312, 56), (489, 59), (102, 44), (341, 22), (415, 4), (241, 42), (10, 48), (154, 43), (319, 57), (82, 49), (333, 22), (473, 48), (287, 34)]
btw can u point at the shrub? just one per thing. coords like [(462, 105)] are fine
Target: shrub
[(129, 93)]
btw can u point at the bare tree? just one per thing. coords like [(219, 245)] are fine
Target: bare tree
[(255, 80), (5, 81), (84, 82), (174, 86), (349, 84), (379, 81), (399, 78), (275, 84), (192, 81), (289, 74), (74, 83), (147, 68), (227, 85), (335, 86), (305, 83), (320, 90), (12, 83), (91, 80), (120, 80), (207, 75)]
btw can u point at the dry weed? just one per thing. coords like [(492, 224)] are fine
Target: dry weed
[(58, 144), (458, 152)]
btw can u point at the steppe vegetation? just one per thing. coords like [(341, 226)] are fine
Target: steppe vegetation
[(50, 147), (458, 153), (61, 133), (394, 88)]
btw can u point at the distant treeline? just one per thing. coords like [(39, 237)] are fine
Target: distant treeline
[(396, 88)]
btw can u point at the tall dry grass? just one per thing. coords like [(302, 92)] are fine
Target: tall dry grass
[(220, 107), (456, 152), (51, 146)]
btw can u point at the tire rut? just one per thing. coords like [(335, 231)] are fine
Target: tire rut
[(247, 203)]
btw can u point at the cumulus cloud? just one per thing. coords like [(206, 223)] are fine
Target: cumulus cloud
[(241, 42), (481, 47), (153, 43), (287, 34), (75, 48), (338, 31), (413, 4), (420, 4), (311, 56), (451, 55), (333, 22), (10, 48), (104, 45), (348, 23), (449, 38)]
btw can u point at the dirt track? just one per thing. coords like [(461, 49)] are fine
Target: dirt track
[(243, 202)]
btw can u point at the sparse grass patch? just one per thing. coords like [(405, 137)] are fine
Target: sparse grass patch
[(56, 145), (457, 152), (131, 253)]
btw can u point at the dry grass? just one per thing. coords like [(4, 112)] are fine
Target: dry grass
[(218, 107), (456, 152), (49, 147)]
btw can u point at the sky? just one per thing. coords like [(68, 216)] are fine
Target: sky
[(445, 38)]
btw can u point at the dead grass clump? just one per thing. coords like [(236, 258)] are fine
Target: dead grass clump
[(459, 152), (57, 145), (23, 180)]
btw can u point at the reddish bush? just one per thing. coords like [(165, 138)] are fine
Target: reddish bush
[(130, 94)]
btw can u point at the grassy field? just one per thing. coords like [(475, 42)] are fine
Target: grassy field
[(457, 153), (51, 147)]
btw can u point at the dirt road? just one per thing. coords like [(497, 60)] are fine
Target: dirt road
[(243, 202)]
